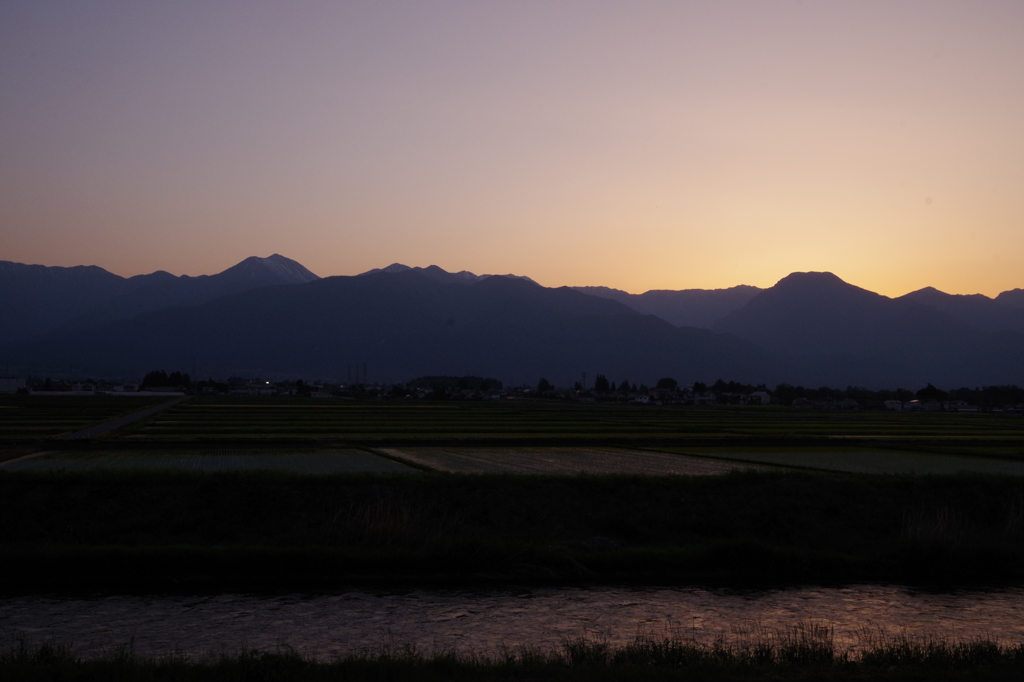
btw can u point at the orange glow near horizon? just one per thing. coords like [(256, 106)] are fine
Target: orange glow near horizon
[(638, 145)]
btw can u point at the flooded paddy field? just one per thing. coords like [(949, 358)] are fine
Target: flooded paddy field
[(563, 460), (862, 460), (300, 461)]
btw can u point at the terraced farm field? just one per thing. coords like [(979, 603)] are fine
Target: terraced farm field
[(297, 461), (863, 460), (557, 423), (28, 418), (562, 460)]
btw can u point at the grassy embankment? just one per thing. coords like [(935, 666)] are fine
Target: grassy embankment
[(254, 530), (804, 653)]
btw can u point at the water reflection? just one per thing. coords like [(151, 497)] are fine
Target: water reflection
[(326, 626)]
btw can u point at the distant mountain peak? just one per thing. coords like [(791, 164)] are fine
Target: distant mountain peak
[(931, 295), (281, 269), (394, 267), (1013, 298), (810, 278)]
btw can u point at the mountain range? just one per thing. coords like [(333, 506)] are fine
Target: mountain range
[(271, 317), (37, 299)]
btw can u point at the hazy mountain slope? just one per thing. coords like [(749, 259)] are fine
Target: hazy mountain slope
[(35, 298), (683, 308), (842, 334), (976, 310), (1013, 298), (170, 291), (404, 324)]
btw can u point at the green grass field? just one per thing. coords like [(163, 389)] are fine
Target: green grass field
[(521, 421)]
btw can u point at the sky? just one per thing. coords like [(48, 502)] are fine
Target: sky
[(636, 144)]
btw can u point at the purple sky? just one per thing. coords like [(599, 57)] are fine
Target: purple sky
[(632, 144)]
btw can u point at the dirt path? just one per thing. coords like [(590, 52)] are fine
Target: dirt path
[(106, 427)]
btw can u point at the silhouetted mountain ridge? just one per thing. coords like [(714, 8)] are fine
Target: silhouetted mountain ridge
[(683, 308), (272, 317), (437, 272), (404, 324), (38, 299), (987, 314), (847, 335)]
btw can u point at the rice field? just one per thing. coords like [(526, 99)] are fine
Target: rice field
[(347, 461), (562, 461), (524, 422), (26, 418), (862, 460)]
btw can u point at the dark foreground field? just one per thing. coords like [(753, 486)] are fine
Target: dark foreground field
[(801, 518), (127, 531), (805, 653)]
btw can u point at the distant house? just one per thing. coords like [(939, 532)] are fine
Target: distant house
[(759, 398), (894, 405), (707, 398), (662, 393)]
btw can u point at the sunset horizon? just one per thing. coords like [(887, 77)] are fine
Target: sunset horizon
[(478, 271), (641, 146)]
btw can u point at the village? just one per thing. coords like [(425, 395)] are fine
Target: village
[(998, 400)]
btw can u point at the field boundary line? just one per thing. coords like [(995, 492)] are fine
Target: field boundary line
[(107, 427), (24, 457), (395, 458), (766, 465)]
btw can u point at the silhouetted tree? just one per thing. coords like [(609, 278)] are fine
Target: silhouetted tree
[(161, 378), (544, 386), (787, 393), (601, 384), (624, 387), (667, 382), (929, 392)]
